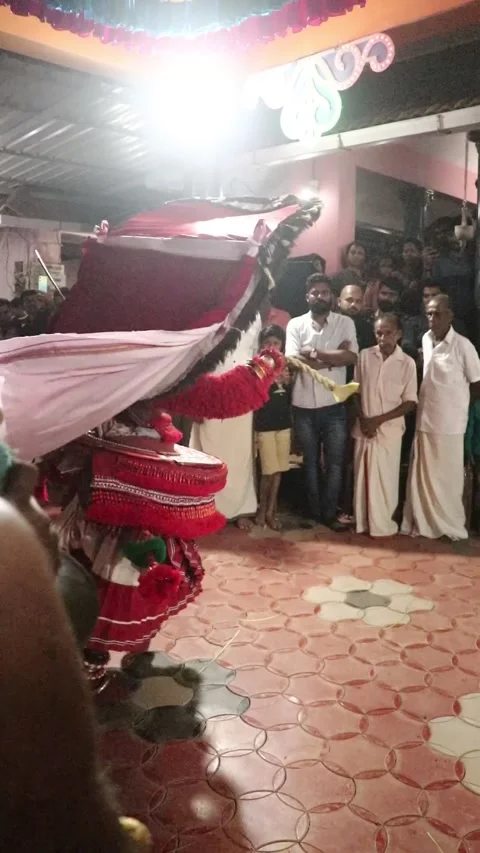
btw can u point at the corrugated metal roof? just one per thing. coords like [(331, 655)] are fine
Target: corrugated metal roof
[(69, 131), (93, 141)]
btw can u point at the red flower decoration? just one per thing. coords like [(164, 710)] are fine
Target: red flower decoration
[(161, 581)]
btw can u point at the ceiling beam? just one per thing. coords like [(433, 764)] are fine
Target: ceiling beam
[(73, 164)]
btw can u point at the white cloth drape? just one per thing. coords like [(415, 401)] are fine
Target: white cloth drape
[(232, 440), (55, 388)]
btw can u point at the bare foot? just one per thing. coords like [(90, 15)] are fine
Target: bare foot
[(260, 520), (244, 523), (273, 522)]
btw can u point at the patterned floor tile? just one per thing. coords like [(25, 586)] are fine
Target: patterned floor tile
[(395, 730), (453, 737), (427, 658), (419, 767), (471, 765), (318, 788), (237, 657), (372, 651), (224, 637), (235, 776), (272, 712), (186, 625), (268, 823), (359, 735), (279, 640), (470, 708), (419, 836), (453, 811), (217, 841), (156, 692), (369, 698), (359, 759), (293, 662), (225, 735), (399, 676), (330, 721), (346, 670), (311, 689), (425, 704), (387, 800), (258, 682), (177, 763), (292, 746), (327, 644), (194, 807), (454, 682), (356, 833), (192, 647)]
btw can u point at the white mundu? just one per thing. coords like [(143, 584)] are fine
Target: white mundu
[(232, 440), (385, 384), (434, 505)]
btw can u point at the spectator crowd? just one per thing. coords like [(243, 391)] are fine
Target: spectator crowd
[(394, 456), (404, 331), (30, 313)]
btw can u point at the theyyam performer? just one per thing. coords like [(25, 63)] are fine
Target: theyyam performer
[(134, 500)]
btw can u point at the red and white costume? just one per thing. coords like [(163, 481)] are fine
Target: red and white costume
[(199, 271)]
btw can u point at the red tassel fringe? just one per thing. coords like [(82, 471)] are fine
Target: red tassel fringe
[(159, 520), (230, 395), (189, 480)]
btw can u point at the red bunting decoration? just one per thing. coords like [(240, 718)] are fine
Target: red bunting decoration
[(150, 27)]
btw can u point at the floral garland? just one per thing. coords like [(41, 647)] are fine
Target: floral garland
[(150, 26)]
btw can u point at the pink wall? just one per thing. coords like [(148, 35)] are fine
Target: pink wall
[(408, 164), (335, 177), (335, 174)]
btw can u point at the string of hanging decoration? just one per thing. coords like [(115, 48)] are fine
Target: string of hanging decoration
[(150, 25)]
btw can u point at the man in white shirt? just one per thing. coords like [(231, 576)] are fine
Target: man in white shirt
[(388, 390), (327, 342), (451, 371)]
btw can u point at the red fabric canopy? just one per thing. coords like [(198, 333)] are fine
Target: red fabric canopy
[(187, 265), (236, 219)]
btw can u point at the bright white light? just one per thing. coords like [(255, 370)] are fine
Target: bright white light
[(309, 192), (193, 105)]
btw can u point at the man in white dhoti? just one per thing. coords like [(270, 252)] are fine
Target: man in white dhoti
[(451, 370), (388, 390)]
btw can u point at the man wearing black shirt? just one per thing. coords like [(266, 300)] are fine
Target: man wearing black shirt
[(350, 302)]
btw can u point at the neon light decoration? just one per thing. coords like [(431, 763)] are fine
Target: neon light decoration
[(308, 91)]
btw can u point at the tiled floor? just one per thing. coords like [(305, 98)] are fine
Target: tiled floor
[(329, 702)]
